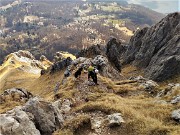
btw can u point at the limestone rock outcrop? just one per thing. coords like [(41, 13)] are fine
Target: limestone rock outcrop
[(17, 122), (36, 117), (157, 49), (57, 66), (92, 51), (114, 50), (47, 118), (102, 64)]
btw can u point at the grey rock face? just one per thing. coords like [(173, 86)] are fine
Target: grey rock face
[(146, 84), (47, 118), (36, 117), (91, 52), (157, 49), (17, 122), (114, 50), (105, 67), (60, 65), (64, 106), (176, 115), (101, 63), (134, 46)]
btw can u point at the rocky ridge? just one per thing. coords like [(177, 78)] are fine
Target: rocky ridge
[(157, 49), (25, 61)]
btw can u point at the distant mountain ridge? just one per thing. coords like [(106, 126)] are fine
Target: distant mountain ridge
[(43, 28)]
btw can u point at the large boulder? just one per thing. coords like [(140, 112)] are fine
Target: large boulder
[(63, 106), (149, 85), (157, 49), (145, 84), (36, 117), (47, 117), (17, 122), (82, 61)]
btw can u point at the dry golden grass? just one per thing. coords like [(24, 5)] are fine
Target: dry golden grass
[(41, 86), (175, 92), (144, 116), (66, 94), (44, 85), (8, 102), (67, 90), (71, 125), (18, 79), (107, 81), (130, 70), (76, 122), (126, 88), (7, 106), (38, 85), (120, 87), (17, 73), (64, 132)]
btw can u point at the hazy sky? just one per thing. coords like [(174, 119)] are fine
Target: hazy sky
[(163, 6)]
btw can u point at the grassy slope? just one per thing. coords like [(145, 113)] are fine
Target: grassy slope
[(141, 114)]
